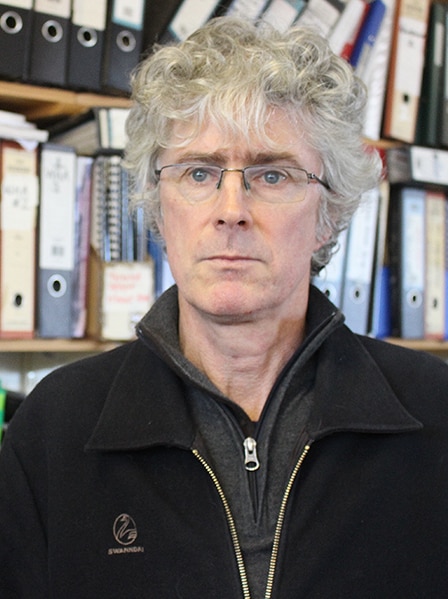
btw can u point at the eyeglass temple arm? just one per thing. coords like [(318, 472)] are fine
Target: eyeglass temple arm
[(312, 178)]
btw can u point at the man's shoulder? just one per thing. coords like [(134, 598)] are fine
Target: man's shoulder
[(400, 355), (76, 393), (93, 371), (419, 379)]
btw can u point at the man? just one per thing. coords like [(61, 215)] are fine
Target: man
[(247, 444)]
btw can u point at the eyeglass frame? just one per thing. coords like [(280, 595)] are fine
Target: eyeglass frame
[(311, 177)]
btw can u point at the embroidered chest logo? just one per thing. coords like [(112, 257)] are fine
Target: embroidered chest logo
[(125, 530), (125, 533)]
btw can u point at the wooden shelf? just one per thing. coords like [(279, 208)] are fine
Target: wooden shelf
[(48, 104), (92, 345), (55, 345), (428, 345), (37, 102)]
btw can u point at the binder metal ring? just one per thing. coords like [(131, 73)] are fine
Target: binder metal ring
[(414, 298), (126, 41), (52, 31), (11, 22), (357, 294), (56, 285), (87, 37)]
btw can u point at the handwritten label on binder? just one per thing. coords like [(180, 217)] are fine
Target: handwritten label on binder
[(128, 292)]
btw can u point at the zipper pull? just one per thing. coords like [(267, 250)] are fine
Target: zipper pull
[(250, 454)]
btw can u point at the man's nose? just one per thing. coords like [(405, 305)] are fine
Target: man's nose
[(232, 205)]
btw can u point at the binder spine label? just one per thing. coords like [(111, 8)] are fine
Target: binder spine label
[(410, 54), (19, 202), (57, 243), (90, 14), (20, 4), (190, 16), (128, 13), (429, 165), (413, 274), (55, 8)]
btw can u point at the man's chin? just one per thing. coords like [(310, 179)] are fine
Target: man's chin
[(231, 305)]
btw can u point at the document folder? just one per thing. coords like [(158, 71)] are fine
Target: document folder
[(56, 240), (49, 42), (15, 33), (87, 34), (123, 44), (407, 262), (18, 218), (360, 261)]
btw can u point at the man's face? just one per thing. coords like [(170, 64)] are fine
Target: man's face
[(233, 257)]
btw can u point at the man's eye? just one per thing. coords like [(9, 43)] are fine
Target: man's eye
[(273, 177), (198, 174)]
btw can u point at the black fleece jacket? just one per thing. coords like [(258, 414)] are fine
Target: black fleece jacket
[(104, 491)]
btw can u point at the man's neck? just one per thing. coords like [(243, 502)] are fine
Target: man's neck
[(243, 360)]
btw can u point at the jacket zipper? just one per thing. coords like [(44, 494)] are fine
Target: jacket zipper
[(280, 521), (232, 527), (251, 462), (233, 531)]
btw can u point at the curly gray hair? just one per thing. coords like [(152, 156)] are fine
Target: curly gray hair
[(233, 73)]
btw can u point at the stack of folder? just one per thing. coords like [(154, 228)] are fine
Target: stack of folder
[(75, 44), (63, 215), (390, 275)]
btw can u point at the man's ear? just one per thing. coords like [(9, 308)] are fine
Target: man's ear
[(322, 237), (160, 224)]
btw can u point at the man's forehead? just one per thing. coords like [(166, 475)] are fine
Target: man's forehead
[(280, 138)]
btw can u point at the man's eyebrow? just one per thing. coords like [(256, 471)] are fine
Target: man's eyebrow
[(202, 157), (221, 158), (272, 158)]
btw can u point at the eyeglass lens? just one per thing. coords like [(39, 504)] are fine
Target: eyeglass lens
[(267, 183)]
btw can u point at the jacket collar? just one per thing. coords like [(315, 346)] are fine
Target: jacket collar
[(352, 394), (146, 403), (145, 406)]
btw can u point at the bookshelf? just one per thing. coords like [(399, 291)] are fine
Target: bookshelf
[(45, 104), (40, 103)]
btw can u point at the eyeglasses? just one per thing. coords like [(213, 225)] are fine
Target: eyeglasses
[(271, 183)]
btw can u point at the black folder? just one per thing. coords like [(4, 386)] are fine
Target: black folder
[(49, 45), (87, 33), (15, 29), (157, 18), (123, 44)]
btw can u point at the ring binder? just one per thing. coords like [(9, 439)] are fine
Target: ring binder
[(124, 38), (15, 32), (87, 33), (49, 43), (56, 247)]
